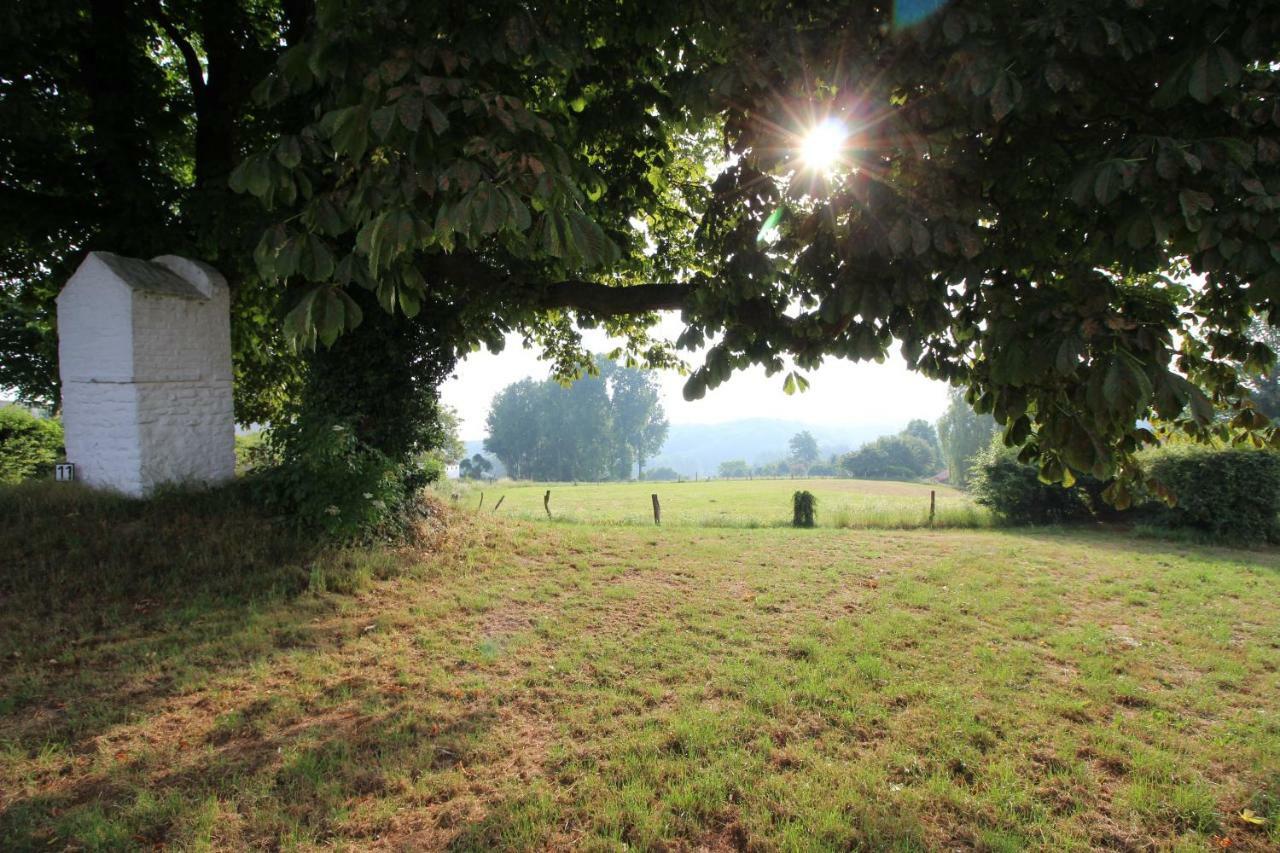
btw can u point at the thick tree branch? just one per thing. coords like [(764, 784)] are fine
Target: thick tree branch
[(195, 71), (601, 300)]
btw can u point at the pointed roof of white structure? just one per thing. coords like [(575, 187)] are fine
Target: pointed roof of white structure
[(148, 276)]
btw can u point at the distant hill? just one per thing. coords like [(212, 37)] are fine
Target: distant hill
[(700, 448)]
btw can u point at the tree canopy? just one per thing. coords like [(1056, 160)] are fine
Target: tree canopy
[(599, 427), (905, 456), (804, 448), (1066, 207), (963, 434)]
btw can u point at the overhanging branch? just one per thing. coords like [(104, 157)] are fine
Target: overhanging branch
[(601, 300), (195, 72)]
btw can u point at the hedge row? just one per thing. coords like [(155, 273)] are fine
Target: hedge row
[(1229, 494)]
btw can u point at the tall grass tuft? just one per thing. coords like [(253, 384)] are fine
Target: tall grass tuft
[(803, 509)]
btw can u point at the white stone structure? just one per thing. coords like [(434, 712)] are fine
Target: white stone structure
[(144, 351)]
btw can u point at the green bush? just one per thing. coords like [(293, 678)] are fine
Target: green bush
[(325, 479), (1014, 492), (803, 509), (29, 446), (1226, 494)]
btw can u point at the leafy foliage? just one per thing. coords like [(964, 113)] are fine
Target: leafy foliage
[(1230, 494), (804, 448), (118, 128), (1264, 387), (596, 428), (475, 468), (325, 479), (734, 468), (1017, 183), (1015, 492), (963, 434), (29, 446), (905, 456), (352, 452), (639, 424), (1026, 175)]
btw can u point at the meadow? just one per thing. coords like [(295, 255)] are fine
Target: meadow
[(184, 674), (736, 503)]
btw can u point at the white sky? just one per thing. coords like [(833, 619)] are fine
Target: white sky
[(841, 392)]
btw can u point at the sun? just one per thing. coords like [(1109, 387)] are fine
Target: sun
[(823, 145)]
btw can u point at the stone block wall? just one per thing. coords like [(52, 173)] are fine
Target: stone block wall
[(145, 356)]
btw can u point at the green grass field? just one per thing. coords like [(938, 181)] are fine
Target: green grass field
[(182, 675), (737, 503)]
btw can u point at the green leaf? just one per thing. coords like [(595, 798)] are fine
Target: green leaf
[(1192, 202), (411, 111), (410, 304), (383, 119), (349, 131), (1070, 352), (789, 384), (1005, 95), (298, 326), (439, 122), (900, 237), (252, 176), (289, 152), (329, 315), (1215, 70), (1108, 182), (1201, 407)]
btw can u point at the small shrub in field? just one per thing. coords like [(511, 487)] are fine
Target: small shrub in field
[(28, 445), (1231, 494), (803, 509), (1014, 492)]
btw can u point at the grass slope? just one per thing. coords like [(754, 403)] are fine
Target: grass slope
[(530, 685), (740, 503)]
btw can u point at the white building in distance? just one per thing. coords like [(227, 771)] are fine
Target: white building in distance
[(144, 352)]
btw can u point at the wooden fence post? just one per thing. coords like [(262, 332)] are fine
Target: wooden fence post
[(933, 497), (480, 505), (498, 505), (546, 502), (657, 510)]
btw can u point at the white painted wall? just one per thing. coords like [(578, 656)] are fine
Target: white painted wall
[(145, 358)]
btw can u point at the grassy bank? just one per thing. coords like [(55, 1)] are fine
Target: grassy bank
[(522, 685)]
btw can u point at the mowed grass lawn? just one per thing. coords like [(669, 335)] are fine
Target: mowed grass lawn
[(530, 686), (738, 503)]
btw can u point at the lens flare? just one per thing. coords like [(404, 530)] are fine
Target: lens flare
[(823, 145)]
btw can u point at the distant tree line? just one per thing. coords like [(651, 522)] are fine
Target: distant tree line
[(600, 427), (912, 454)]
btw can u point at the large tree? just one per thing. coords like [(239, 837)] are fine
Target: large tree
[(596, 428), (1014, 182), (963, 434), (804, 448), (120, 122), (639, 423)]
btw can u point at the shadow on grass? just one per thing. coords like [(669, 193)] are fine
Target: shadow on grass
[(112, 609), (1153, 541)]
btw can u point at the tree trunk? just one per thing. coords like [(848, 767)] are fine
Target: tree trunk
[(112, 62)]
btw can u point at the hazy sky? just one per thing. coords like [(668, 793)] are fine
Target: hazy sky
[(841, 392)]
